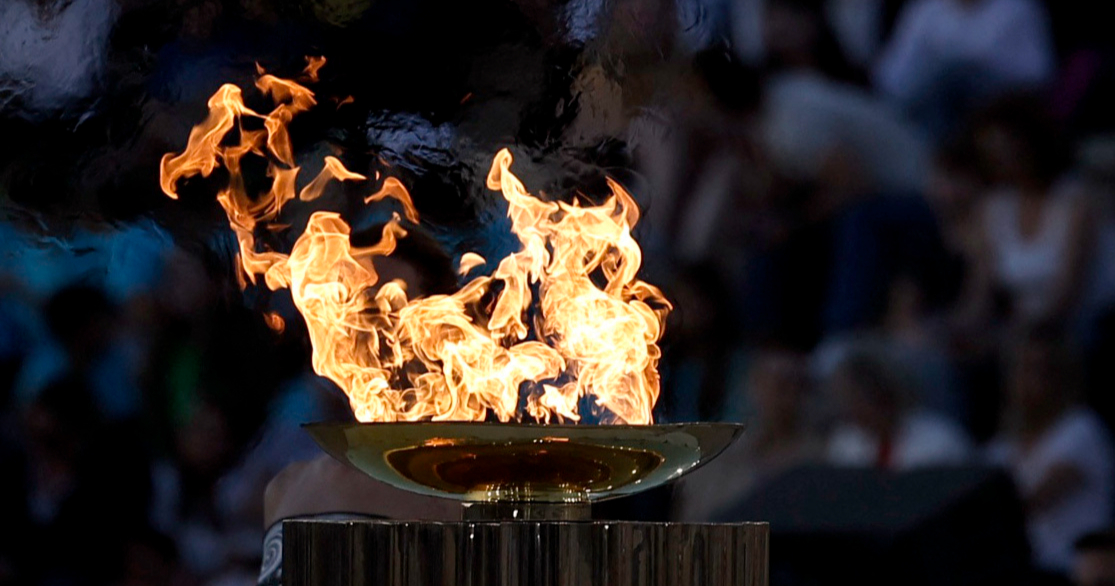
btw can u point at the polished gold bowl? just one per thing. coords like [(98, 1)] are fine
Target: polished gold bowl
[(524, 463)]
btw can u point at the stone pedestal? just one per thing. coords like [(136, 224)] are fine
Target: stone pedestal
[(523, 553)]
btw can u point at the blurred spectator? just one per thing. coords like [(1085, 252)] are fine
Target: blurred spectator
[(702, 360), (912, 334), (1036, 226), (705, 182), (909, 337), (83, 341), (948, 55), (185, 505), (878, 241), (1096, 164), (859, 27), (1094, 560), (88, 327), (956, 193), (818, 125), (703, 172), (879, 425), (62, 485), (798, 35), (151, 559), (854, 169), (819, 129), (1094, 325), (779, 436), (955, 190), (1057, 450)]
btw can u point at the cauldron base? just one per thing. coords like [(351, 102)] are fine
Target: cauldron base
[(522, 553)]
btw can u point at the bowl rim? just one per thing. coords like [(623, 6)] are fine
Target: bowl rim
[(529, 425), (334, 438)]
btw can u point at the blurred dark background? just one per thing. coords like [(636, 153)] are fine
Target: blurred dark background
[(888, 227)]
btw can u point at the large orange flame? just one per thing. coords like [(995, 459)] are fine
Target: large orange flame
[(463, 356)]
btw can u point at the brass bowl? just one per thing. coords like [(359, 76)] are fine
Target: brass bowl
[(524, 463)]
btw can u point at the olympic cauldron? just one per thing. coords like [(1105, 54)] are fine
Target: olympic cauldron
[(562, 321), (526, 491)]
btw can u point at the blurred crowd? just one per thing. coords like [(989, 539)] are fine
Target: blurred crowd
[(888, 227), (896, 223)]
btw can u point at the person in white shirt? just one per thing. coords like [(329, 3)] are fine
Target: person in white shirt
[(945, 54), (1057, 450), (817, 125), (811, 123), (879, 426), (1036, 226)]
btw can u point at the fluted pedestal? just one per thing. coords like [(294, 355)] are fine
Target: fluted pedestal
[(523, 553)]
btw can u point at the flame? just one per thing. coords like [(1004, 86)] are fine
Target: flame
[(469, 261), (275, 321), (562, 324), (313, 65)]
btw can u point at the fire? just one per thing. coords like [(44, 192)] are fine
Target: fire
[(561, 325), (275, 322)]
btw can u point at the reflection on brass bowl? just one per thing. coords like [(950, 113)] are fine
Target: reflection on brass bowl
[(508, 462)]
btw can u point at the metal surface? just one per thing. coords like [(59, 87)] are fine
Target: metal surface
[(522, 553), (524, 463), (525, 511)]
